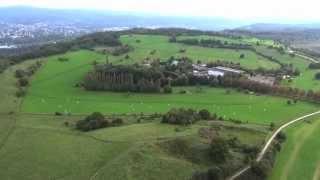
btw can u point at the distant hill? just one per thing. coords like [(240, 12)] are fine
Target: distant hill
[(266, 27), (93, 18)]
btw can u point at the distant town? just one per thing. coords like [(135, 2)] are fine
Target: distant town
[(14, 35)]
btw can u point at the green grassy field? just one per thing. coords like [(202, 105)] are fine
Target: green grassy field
[(52, 90), (165, 50), (37, 147), (300, 156), (242, 40), (306, 79)]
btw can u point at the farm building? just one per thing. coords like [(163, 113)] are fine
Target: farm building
[(268, 80), (202, 70)]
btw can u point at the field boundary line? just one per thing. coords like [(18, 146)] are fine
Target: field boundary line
[(269, 142)]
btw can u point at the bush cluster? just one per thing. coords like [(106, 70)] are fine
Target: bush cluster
[(186, 116), (97, 120), (23, 76)]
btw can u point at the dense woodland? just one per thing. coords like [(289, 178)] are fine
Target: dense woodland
[(124, 78)]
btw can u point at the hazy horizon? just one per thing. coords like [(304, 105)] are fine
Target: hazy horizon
[(248, 10)]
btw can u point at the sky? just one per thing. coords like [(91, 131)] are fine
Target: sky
[(234, 9)]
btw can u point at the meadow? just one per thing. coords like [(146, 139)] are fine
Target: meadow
[(38, 147), (29, 131), (164, 50), (53, 90), (299, 157), (243, 40)]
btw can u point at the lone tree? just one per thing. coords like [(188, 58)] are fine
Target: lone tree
[(242, 56)]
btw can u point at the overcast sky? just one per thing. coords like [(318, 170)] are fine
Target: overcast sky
[(236, 9)]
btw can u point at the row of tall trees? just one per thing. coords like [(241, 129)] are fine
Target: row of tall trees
[(212, 43), (125, 78), (278, 90)]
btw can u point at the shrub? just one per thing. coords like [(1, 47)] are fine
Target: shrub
[(180, 116), (117, 122), (183, 92), (260, 169), (317, 76), (58, 114), (219, 150), (94, 121), (242, 56), (182, 50), (173, 39), (289, 102), (167, 89), (23, 82), (20, 73), (178, 146), (204, 114), (63, 59), (281, 137), (21, 93), (215, 173), (272, 126), (251, 151)]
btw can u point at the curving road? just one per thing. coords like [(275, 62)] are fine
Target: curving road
[(269, 142), (303, 56), (307, 58)]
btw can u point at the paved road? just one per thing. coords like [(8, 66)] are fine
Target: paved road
[(269, 142), (303, 56), (306, 57)]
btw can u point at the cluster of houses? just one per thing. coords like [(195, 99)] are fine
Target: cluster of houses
[(201, 70)]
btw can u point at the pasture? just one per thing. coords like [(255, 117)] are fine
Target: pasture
[(164, 50), (299, 157), (31, 132), (38, 147), (53, 90), (237, 40)]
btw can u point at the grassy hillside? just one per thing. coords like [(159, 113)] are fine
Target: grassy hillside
[(39, 147), (53, 90), (164, 50), (35, 144), (299, 157)]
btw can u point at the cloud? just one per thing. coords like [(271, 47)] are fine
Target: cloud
[(244, 9)]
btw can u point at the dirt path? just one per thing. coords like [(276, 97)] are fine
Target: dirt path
[(269, 142)]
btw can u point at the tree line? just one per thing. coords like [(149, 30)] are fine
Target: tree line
[(23, 76), (14, 56), (125, 78), (213, 43)]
